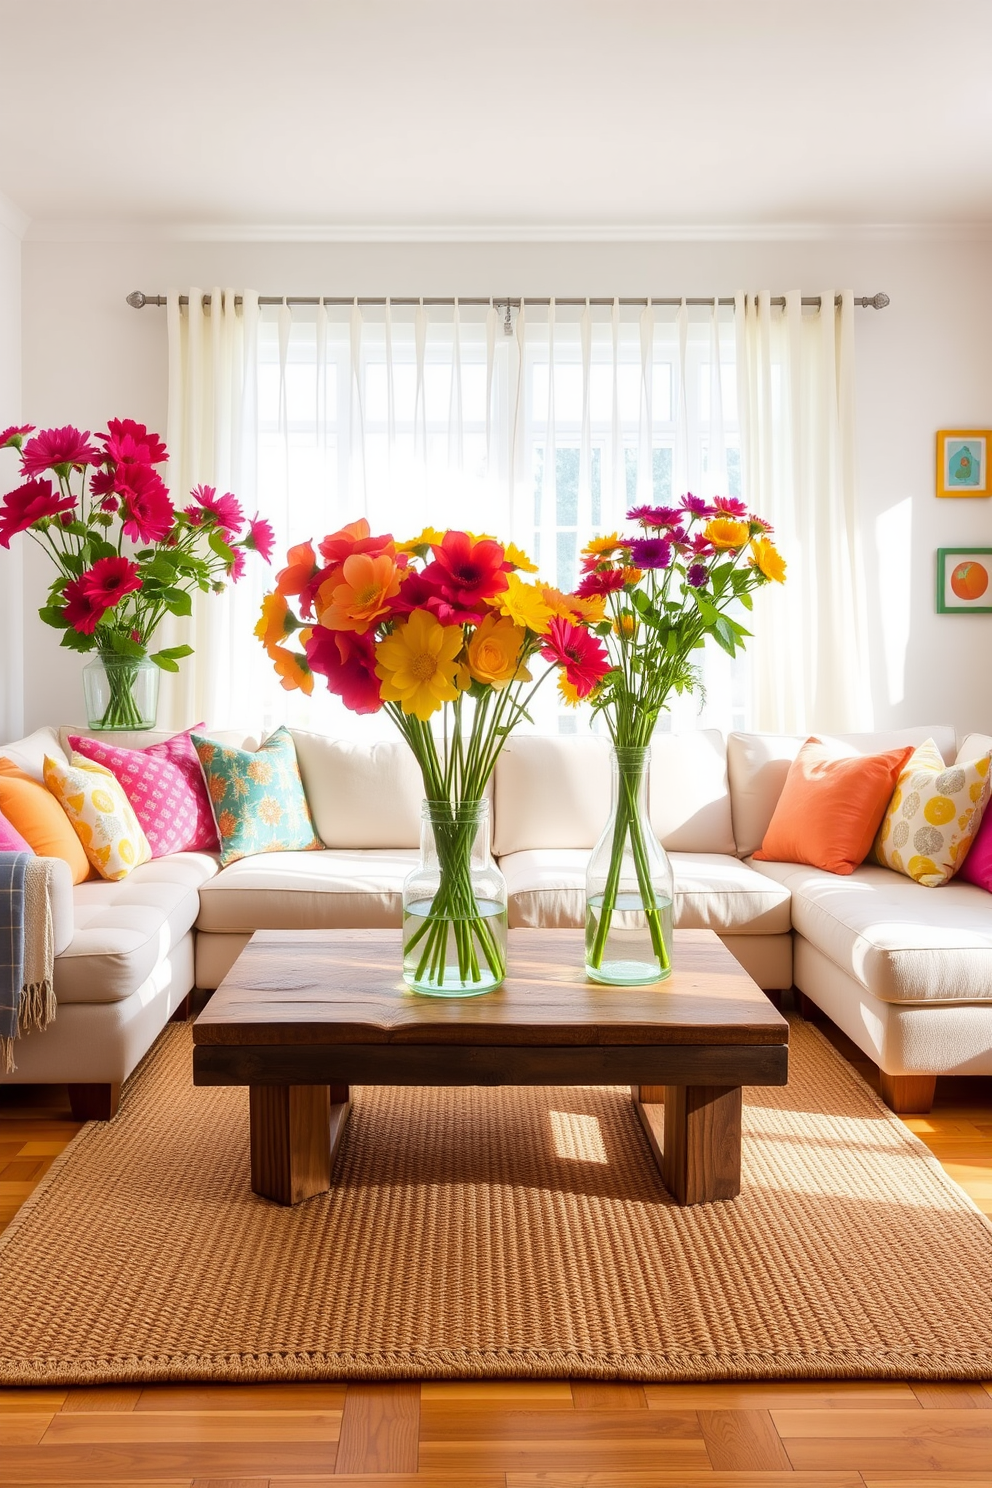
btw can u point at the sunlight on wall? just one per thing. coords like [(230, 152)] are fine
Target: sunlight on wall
[(893, 536)]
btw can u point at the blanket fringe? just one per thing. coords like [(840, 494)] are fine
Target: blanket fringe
[(7, 1055), (37, 1008)]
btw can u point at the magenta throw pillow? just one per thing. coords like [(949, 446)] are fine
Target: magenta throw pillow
[(977, 866), (11, 839), (166, 788)]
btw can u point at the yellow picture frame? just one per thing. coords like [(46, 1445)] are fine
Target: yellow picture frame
[(963, 462)]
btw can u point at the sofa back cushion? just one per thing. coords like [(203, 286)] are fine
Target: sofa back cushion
[(759, 763), (28, 754), (361, 794), (553, 791)]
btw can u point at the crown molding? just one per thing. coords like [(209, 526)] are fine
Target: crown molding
[(52, 231), (12, 218)]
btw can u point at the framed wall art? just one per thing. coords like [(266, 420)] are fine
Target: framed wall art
[(964, 581), (962, 462)]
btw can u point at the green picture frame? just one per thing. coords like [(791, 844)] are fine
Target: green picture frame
[(964, 581)]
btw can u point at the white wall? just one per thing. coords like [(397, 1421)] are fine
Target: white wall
[(11, 599), (922, 364)]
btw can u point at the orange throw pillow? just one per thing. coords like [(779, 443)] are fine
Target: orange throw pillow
[(39, 818), (831, 807)]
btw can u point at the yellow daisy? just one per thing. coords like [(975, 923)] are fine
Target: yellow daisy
[(524, 603), (417, 664), (768, 559)]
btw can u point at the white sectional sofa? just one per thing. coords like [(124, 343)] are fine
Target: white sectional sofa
[(906, 971)]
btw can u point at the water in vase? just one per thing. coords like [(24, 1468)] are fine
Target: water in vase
[(630, 957)]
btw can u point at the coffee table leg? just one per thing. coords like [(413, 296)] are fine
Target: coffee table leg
[(695, 1136), (295, 1132)]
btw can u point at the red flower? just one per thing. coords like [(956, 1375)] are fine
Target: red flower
[(463, 576), (261, 537), (58, 449), (146, 511), (226, 509), (347, 661), (603, 581), (83, 609), (583, 657), (25, 506), (128, 443), (109, 580), (14, 436)]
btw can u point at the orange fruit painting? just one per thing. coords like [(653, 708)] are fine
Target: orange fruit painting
[(969, 580)]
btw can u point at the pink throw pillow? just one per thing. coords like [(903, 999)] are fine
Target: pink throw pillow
[(165, 786), (977, 866), (11, 839)]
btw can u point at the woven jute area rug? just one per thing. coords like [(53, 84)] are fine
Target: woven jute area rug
[(513, 1232)]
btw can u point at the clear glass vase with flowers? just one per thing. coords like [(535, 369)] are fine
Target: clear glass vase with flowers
[(666, 589), (441, 631), (125, 557)]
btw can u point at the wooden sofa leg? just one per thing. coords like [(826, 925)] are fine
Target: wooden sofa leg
[(182, 1012), (908, 1094), (94, 1102), (807, 1006)]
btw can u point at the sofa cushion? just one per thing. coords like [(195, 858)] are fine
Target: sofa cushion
[(713, 891), (29, 753), (123, 930), (257, 797), (757, 765), (553, 791), (308, 891), (901, 941), (361, 795)]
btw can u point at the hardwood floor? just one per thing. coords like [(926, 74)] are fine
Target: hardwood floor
[(509, 1434)]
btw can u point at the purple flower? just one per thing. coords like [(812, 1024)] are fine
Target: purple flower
[(697, 575), (696, 505), (655, 516), (650, 552)]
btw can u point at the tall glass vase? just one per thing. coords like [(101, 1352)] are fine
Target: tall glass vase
[(629, 886), (121, 692), (454, 905)]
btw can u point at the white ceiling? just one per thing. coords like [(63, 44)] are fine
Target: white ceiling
[(468, 116)]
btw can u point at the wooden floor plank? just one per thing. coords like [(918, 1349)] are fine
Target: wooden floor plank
[(906, 1424), (23, 1428), (888, 1455), (159, 1463), (688, 1479), (464, 1421), (816, 1395), (404, 1480), (743, 1441), (600, 1395), (38, 1400), (283, 1398), (379, 1429), (610, 1455), (84, 1398), (137, 1427), (530, 1394), (930, 1480), (952, 1396)]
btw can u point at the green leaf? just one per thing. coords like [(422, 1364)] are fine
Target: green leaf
[(123, 644), (719, 577), (706, 608), (53, 615), (161, 567), (77, 528), (220, 547), (166, 663), (73, 641), (724, 635), (178, 601), (144, 553), (100, 548), (176, 653), (746, 600)]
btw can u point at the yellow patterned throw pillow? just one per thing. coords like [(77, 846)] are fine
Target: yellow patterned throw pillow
[(933, 815), (103, 818)]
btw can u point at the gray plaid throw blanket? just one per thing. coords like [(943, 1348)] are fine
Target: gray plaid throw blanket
[(27, 950)]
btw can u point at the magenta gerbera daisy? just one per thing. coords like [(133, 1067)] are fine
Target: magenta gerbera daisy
[(226, 510), (584, 658), (729, 506), (27, 505), (58, 450), (14, 435), (261, 537), (129, 443), (696, 505)]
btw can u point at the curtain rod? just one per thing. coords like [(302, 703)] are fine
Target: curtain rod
[(137, 300)]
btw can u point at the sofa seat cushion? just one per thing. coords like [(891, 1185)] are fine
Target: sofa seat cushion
[(903, 942), (323, 890), (712, 892), (123, 930)]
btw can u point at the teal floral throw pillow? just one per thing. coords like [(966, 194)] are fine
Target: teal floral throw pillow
[(258, 799)]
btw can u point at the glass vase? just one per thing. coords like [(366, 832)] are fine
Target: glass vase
[(454, 905), (121, 692), (629, 886)]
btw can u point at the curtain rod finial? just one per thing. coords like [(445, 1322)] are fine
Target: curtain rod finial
[(136, 299), (876, 302)]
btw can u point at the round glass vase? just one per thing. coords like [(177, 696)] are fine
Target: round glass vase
[(629, 886), (454, 905), (121, 692)]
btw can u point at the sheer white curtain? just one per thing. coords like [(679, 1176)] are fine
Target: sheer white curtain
[(796, 397), (543, 427), (212, 440)]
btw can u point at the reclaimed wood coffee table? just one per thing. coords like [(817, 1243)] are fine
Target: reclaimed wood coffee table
[(303, 1015)]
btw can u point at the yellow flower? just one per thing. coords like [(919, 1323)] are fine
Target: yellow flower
[(569, 695), (524, 604), (519, 559), (494, 653), (276, 622), (724, 532), (584, 610), (416, 664), (427, 539), (625, 625), (293, 669), (768, 559), (602, 547)]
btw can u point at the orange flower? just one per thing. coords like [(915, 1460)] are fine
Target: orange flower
[(360, 596), (603, 547), (724, 532), (768, 559), (632, 577), (276, 622), (494, 653), (292, 669), (299, 570)]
